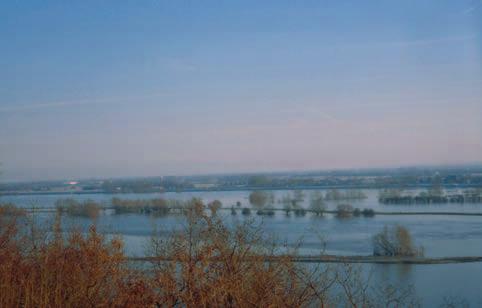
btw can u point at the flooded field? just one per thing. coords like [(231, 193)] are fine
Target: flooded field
[(440, 235), (229, 198)]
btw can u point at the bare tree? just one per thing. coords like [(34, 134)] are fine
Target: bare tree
[(395, 241), (317, 205), (258, 199)]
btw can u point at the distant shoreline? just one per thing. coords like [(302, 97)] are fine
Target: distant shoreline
[(227, 189), (349, 259), (333, 212)]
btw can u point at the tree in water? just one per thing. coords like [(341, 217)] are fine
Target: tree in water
[(214, 206), (395, 241), (258, 199), (286, 200), (344, 210), (317, 205)]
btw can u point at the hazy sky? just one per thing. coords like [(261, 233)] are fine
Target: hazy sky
[(122, 88)]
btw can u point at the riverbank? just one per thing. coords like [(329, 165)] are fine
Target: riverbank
[(347, 259), (333, 212)]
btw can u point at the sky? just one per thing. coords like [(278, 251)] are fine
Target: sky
[(149, 88)]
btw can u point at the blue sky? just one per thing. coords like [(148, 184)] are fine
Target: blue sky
[(126, 88)]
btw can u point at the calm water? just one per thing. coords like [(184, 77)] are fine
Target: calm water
[(441, 236), (229, 198)]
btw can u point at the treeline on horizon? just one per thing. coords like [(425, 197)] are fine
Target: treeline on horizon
[(433, 195), (205, 263), (288, 182), (393, 178)]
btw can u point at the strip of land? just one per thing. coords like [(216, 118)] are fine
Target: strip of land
[(348, 259), (53, 209)]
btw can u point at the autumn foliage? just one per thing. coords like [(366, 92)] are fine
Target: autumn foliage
[(205, 264), (76, 271)]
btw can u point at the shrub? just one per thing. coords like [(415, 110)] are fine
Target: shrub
[(72, 207), (287, 202), (267, 212), (356, 212), (203, 264), (299, 212), (63, 204), (72, 271), (270, 212), (344, 210), (368, 212), (9, 209), (350, 194), (298, 196), (317, 206), (395, 241), (158, 207), (214, 206), (208, 264), (246, 211), (258, 199)]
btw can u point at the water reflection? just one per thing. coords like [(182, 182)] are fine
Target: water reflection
[(442, 236)]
